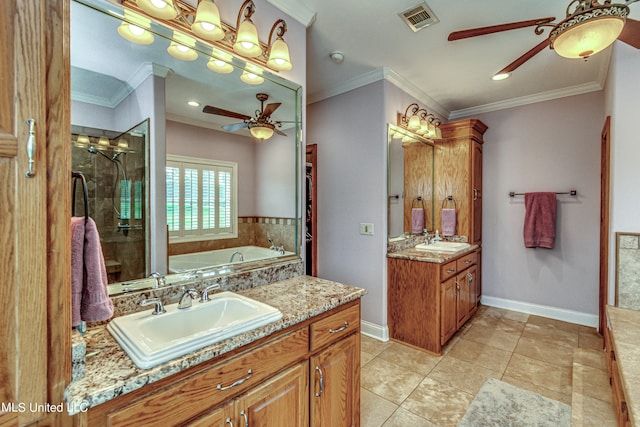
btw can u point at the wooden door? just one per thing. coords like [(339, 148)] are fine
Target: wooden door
[(448, 301), (220, 417), (476, 193), (34, 231), (605, 176), (281, 401), (335, 385)]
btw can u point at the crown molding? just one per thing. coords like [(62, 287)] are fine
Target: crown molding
[(295, 9), (525, 100), (415, 91)]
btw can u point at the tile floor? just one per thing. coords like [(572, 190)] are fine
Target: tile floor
[(402, 386)]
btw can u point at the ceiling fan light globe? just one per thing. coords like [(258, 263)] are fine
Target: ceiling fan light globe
[(261, 132), (247, 43), (587, 38), (207, 23), (162, 9)]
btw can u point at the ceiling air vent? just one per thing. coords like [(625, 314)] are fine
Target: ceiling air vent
[(418, 17)]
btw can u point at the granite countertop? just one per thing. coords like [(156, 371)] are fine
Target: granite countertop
[(625, 335), (110, 373), (414, 254)]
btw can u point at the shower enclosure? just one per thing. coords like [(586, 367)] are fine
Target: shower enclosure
[(115, 166)]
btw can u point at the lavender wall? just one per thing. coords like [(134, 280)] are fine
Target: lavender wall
[(623, 94), (548, 146)]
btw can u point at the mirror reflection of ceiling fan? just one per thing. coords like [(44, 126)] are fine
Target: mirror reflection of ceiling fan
[(591, 27), (261, 126)]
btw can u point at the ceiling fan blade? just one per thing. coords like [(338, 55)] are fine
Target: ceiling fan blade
[(481, 31), (524, 58), (631, 33), (270, 108), (220, 112), (234, 127), (279, 132)]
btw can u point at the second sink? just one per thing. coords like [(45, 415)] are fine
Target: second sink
[(153, 339), (444, 246)]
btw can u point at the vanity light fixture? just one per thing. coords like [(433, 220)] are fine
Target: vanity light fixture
[(207, 21), (83, 139), (180, 47), (103, 141), (133, 28), (279, 51), (220, 62), (162, 9), (420, 121), (246, 42), (252, 76)]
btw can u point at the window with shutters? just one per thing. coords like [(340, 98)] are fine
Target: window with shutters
[(201, 199)]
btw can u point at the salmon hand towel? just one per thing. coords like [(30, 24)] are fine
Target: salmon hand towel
[(448, 221), (417, 220), (540, 220)]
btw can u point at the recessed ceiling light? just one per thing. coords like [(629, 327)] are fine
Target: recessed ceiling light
[(500, 76), (193, 103)]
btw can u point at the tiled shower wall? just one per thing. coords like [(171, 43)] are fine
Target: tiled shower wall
[(628, 271)]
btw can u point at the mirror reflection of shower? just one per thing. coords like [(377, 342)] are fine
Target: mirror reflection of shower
[(115, 165)]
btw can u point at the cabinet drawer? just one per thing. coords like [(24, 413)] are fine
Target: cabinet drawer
[(193, 395), (335, 327), (466, 261), (447, 270)]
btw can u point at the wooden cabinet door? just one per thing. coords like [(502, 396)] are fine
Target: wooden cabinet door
[(467, 300), (335, 385), (448, 301), (476, 193), (220, 417), (282, 401)]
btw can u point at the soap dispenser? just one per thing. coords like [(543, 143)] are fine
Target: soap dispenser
[(437, 237)]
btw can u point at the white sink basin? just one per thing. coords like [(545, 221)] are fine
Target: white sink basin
[(444, 247), (153, 339)]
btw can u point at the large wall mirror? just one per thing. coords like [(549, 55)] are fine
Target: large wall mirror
[(171, 191), (409, 182), (628, 270)]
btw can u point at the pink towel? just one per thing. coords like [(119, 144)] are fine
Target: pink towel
[(540, 220), (417, 220), (448, 222), (90, 298)]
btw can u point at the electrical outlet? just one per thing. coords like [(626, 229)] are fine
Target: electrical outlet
[(366, 228)]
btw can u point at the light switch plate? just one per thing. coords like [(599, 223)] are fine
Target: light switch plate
[(366, 228)]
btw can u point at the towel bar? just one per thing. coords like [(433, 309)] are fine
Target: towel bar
[(570, 192)]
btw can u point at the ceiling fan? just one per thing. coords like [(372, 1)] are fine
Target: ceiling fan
[(589, 28), (261, 126)]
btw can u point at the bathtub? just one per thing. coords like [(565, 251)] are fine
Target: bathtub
[(208, 259)]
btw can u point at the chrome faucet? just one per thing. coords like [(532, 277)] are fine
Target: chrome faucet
[(158, 303), (187, 297), (234, 255), (275, 248), (205, 292), (159, 279)]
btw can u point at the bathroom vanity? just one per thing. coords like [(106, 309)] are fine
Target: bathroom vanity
[(431, 295), (301, 370)]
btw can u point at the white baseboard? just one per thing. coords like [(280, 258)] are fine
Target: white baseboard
[(565, 315), (374, 331)]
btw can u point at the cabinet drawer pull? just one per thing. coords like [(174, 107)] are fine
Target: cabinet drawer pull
[(228, 421), (246, 419), (319, 392), (31, 148), (451, 270), (240, 381), (340, 329), (468, 261)]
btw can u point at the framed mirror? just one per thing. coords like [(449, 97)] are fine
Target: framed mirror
[(628, 270), (409, 182), (213, 200)]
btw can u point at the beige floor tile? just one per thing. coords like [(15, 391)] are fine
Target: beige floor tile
[(463, 375), (560, 355), (372, 345), (540, 373), (553, 324), (410, 358), (404, 418), (495, 338), (590, 357), (589, 412), (365, 358), (439, 403), (589, 340), (550, 335), (500, 324), (389, 380), (551, 394), (484, 355), (374, 410), (451, 343), (501, 313), (592, 382)]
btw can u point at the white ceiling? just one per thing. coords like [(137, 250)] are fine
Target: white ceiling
[(454, 78)]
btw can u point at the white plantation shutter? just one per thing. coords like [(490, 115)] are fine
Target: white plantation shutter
[(201, 198)]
